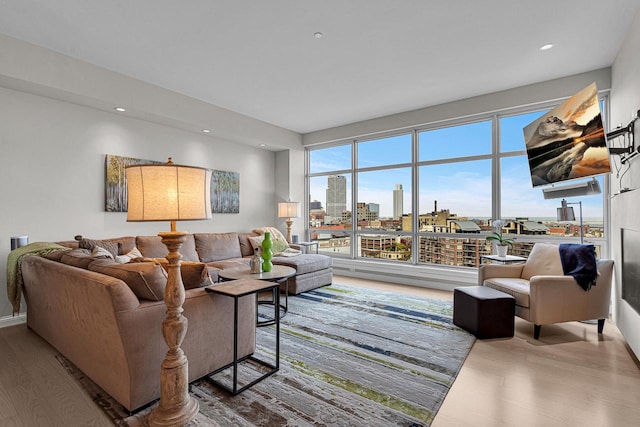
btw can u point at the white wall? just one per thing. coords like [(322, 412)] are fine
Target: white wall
[(52, 172), (625, 210), (521, 96), (57, 124)]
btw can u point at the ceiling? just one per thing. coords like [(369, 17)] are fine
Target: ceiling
[(375, 57)]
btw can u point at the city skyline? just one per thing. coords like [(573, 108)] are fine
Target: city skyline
[(463, 186)]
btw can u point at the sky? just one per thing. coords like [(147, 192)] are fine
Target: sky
[(462, 187)]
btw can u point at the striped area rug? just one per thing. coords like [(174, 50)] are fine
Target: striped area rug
[(349, 356)]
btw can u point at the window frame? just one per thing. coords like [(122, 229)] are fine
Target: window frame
[(495, 157)]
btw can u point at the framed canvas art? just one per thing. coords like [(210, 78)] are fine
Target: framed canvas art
[(225, 186), (569, 141)]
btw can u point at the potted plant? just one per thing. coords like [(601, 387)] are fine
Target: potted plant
[(502, 243)]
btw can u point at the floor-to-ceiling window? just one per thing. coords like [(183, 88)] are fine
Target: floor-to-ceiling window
[(430, 195)]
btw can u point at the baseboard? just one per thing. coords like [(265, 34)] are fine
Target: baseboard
[(13, 320), (440, 277)]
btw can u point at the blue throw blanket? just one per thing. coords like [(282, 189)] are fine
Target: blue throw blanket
[(579, 261)]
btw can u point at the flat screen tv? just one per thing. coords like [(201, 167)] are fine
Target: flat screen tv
[(569, 141)]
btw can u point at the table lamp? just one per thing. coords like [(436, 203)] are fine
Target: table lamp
[(170, 192), (289, 210)]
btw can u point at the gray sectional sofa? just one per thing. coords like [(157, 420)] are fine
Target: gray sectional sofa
[(105, 316)]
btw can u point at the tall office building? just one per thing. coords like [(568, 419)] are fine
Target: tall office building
[(336, 195), (315, 206), (397, 202)]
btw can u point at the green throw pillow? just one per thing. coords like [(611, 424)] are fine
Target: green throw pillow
[(279, 246)]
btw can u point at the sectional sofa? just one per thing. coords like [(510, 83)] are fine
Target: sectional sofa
[(105, 316)]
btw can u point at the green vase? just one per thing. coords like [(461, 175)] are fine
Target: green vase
[(267, 254)]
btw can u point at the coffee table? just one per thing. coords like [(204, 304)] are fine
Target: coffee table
[(278, 274)]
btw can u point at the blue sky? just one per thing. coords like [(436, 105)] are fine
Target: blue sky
[(462, 187)]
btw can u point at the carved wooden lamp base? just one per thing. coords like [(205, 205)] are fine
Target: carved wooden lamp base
[(176, 407)]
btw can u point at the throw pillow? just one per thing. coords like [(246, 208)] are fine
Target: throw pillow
[(278, 246), (256, 242), (128, 257), (100, 252), (90, 244), (194, 274)]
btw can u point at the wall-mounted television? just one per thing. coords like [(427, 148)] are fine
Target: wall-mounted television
[(569, 141)]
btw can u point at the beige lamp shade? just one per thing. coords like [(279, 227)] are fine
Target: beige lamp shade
[(168, 192), (289, 210)]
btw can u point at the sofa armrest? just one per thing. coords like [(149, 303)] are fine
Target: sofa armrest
[(490, 271)]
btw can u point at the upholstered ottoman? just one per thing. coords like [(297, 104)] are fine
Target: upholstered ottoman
[(485, 312)]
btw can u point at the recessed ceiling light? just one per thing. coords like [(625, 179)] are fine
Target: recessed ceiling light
[(120, 109), (546, 46), (206, 131), (318, 35), (263, 145)]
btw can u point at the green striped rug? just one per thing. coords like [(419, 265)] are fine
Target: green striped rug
[(349, 356)]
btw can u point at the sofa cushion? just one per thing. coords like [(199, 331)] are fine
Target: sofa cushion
[(305, 263), (544, 259), (517, 288), (229, 263), (77, 257), (125, 244), (55, 255), (147, 280), (152, 247), (217, 246)]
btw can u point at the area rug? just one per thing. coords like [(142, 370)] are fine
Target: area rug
[(349, 356)]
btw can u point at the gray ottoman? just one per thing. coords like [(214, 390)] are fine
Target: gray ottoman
[(483, 311)]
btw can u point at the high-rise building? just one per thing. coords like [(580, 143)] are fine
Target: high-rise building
[(336, 195), (374, 209), (397, 202), (315, 205)]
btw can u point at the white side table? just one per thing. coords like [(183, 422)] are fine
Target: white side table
[(306, 245), (509, 259)]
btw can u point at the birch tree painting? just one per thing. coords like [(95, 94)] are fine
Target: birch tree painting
[(225, 186), (116, 181), (225, 192)]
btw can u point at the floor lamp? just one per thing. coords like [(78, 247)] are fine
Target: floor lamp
[(289, 210), (565, 213), (170, 192)]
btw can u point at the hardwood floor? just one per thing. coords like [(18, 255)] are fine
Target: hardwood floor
[(35, 390), (570, 377)]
